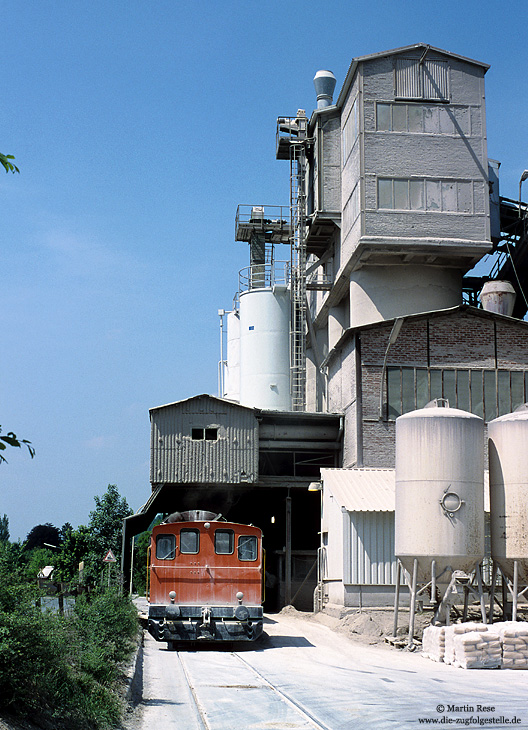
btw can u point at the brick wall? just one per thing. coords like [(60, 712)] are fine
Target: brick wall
[(460, 339)]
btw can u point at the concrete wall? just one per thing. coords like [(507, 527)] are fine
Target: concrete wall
[(438, 142), (326, 173), (385, 292), (393, 261)]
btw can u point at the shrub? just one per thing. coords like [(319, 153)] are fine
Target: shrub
[(62, 668)]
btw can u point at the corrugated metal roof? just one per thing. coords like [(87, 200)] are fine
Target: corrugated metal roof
[(370, 490)]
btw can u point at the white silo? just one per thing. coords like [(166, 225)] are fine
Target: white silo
[(265, 315), (508, 469), (439, 491), (232, 369), (439, 513)]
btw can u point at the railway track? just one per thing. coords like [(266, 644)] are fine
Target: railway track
[(228, 692)]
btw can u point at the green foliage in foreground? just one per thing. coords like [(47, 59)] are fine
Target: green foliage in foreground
[(62, 668), (9, 166)]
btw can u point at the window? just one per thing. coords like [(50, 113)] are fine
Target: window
[(247, 547), (486, 393), (351, 209), (443, 196), (350, 131), (224, 542), (204, 434), (422, 80), (416, 118), (400, 194), (189, 541), (165, 547)]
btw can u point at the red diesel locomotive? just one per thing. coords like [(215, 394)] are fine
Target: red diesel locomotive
[(205, 579)]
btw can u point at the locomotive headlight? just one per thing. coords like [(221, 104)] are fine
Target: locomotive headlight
[(172, 595), (239, 596)]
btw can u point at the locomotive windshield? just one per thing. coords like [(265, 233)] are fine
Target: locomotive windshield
[(247, 547), (224, 542), (165, 547), (189, 541)]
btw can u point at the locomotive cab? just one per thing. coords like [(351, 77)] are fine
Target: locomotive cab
[(205, 580)]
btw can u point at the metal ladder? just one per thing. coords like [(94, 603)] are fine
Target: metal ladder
[(298, 273)]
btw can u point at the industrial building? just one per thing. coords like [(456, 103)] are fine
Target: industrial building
[(358, 305)]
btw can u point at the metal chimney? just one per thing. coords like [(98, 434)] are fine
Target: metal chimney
[(324, 82)]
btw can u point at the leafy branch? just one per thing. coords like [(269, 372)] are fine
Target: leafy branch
[(5, 160), (10, 439)]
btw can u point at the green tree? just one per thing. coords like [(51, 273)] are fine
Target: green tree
[(11, 439), (8, 165), (41, 534), (106, 521), (4, 529), (76, 547)]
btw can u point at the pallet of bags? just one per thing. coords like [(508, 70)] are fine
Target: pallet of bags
[(433, 643), (514, 641), (478, 650), (456, 630)]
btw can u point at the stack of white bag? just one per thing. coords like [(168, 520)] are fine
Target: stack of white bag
[(478, 650), (433, 643), (514, 640), (457, 630)]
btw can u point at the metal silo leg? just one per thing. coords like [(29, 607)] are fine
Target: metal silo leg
[(492, 592), (481, 595), (396, 599), (515, 593), (410, 644)]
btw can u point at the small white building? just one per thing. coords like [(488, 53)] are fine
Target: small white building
[(357, 536)]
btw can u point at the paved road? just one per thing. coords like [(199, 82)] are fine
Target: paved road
[(306, 676)]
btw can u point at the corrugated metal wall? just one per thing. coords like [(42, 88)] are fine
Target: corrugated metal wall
[(372, 560), (178, 458)]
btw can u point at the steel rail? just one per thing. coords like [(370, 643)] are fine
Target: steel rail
[(285, 697), (200, 710)]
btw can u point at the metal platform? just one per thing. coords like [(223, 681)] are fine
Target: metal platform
[(272, 220)]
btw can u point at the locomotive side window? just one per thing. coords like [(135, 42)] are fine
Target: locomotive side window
[(224, 542), (189, 541), (165, 547), (247, 547)]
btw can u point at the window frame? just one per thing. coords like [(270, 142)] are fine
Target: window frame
[(172, 539), (490, 392), (205, 433), (256, 552), (225, 531), (189, 531)]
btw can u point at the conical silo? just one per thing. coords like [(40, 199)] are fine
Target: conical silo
[(508, 469), (439, 491)]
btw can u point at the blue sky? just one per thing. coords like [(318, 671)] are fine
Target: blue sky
[(138, 128)]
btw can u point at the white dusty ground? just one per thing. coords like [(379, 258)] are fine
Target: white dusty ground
[(308, 675)]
